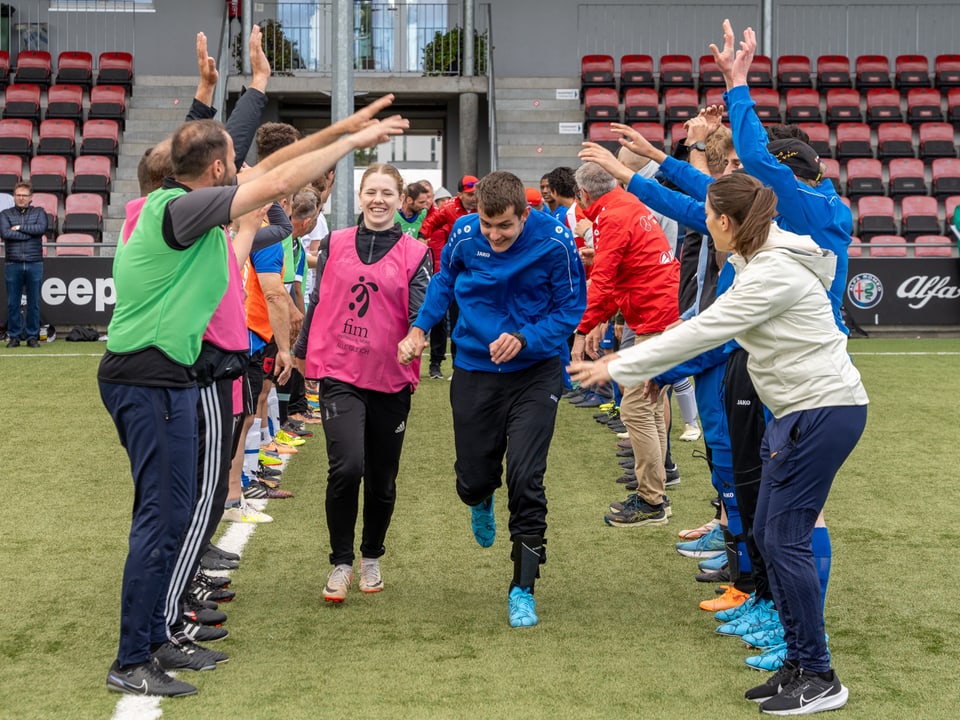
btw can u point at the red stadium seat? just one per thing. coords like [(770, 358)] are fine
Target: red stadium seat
[(953, 106), (793, 71), (923, 105), (4, 67), (48, 174), (65, 102), (946, 177), (33, 66), (875, 217), (864, 177), (51, 205), (11, 172), (936, 140), (933, 246), (109, 102), (709, 72), (678, 133), (84, 214), (100, 137), (79, 244), (767, 105), (596, 71), (946, 71), (843, 106), (601, 104), (894, 139), (652, 132), (713, 96), (57, 137), (636, 71), (831, 171), (760, 72), (91, 174), (906, 177), (22, 101), (600, 133), (888, 246), (918, 216), (833, 71), (853, 140), (803, 105), (855, 249), (641, 105), (16, 137), (873, 71), (950, 205), (75, 67), (911, 71), (883, 105), (819, 134), (116, 68), (676, 71), (680, 104)]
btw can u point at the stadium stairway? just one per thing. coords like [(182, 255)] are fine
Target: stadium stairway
[(529, 143)]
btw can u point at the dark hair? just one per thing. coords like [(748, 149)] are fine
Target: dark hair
[(274, 136), (195, 145), (414, 190), (154, 166), (562, 182), (499, 191), (786, 132), (383, 169), (749, 205)]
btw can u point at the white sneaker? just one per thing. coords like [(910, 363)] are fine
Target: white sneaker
[(245, 514), (623, 436), (371, 581), (338, 583), (690, 433)]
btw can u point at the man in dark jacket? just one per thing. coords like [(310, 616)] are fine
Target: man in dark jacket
[(22, 228)]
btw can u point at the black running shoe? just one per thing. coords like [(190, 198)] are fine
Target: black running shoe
[(226, 554), (221, 582), (775, 683), (627, 477), (625, 452), (617, 426), (267, 472), (204, 633), (673, 475), (182, 653), (195, 612), (714, 576), (146, 679), (209, 561), (215, 594), (808, 693), (256, 490)]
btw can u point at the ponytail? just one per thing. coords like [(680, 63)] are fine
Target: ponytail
[(750, 206)]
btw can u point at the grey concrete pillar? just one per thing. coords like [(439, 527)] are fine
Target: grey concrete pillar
[(341, 107)]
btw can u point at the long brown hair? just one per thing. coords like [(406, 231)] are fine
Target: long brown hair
[(383, 169), (750, 206)]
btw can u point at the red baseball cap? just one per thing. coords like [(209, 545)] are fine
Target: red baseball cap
[(467, 183), (534, 197)]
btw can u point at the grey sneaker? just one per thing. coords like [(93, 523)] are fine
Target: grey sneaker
[(338, 583), (371, 581), (146, 679)]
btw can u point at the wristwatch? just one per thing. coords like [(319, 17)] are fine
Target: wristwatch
[(699, 145)]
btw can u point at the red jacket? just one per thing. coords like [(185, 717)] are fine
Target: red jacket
[(437, 225), (633, 269)]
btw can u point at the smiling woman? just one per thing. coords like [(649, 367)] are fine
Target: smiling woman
[(381, 189)]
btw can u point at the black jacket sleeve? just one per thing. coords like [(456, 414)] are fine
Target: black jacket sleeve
[(244, 121)]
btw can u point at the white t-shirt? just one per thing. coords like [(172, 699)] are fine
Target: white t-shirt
[(318, 233)]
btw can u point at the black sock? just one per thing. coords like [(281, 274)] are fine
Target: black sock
[(527, 555)]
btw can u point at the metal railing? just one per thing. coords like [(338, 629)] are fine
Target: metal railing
[(408, 38), (35, 26)]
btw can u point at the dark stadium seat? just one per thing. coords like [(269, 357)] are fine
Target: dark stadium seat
[(33, 66), (75, 67), (875, 217), (946, 177), (65, 102), (91, 174), (906, 177), (833, 71), (16, 137), (946, 71), (680, 104), (864, 177), (57, 137), (794, 71), (760, 72), (4, 68), (894, 140), (109, 102), (819, 134), (911, 71), (923, 105), (853, 140), (11, 172), (803, 105), (709, 73), (22, 101), (115, 68), (873, 71), (714, 96), (937, 140), (918, 216), (676, 71), (641, 105), (883, 105), (51, 205), (953, 106), (596, 71), (843, 106), (636, 70), (100, 137), (48, 174), (84, 214), (832, 172), (767, 105)]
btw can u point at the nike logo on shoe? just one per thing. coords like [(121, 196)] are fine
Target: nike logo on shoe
[(140, 689), (805, 700)]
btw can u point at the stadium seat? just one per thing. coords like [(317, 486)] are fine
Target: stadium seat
[(853, 140), (600, 132), (843, 106), (709, 73), (11, 172), (115, 68), (91, 174), (678, 133), (953, 106), (57, 137), (923, 105), (641, 105), (22, 101), (888, 246), (950, 205), (51, 205), (760, 72), (75, 67), (80, 244), (819, 134), (33, 66), (16, 137), (864, 177), (894, 139), (883, 105), (918, 216), (833, 71), (100, 137), (793, 71), (109, 102), (832, 172), (803, 105), (873, 71), (601, 105), (714, 96), (767, 105), (48, 174), (84, 214), (4, 68), (636, 71), (65, 102), (946, 71), (875, 217), (936, 140), (855, 248), (596, 71), (680, 104), (653, 133), (946, 177), (911, 71), (933, 246), (906, 177), (676, 71)]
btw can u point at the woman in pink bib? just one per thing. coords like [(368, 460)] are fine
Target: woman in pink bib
[(371, 280)]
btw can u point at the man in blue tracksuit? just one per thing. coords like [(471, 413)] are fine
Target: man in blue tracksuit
[(519, 282)]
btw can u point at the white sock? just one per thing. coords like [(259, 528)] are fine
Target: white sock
[(687, 401)]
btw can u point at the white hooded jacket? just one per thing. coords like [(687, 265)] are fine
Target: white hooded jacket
[(779, 312)]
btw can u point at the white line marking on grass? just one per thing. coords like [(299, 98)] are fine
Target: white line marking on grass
[(20, 356), (906, 353)]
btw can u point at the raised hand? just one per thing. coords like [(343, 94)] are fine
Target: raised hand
[(379, 131), (744, 56), (206, 64), (365, 115), (258, 60), (724, 58)]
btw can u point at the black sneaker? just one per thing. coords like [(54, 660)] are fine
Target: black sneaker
[(673, 475), (225, 554), (206, 593), (435, 373), (267, 472), (204, 633), (146, 679), (806, 694), (221, 582), (13, 342), (625, 453), (775, 683), (182, 653), (256, 490), (714, 576), (626, 462), (617, 426), (634, 498), (627, 477), (196, 612), (33, 343), (211, 561), (637, 514)]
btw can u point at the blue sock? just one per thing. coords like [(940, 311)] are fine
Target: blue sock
[(823, 556)]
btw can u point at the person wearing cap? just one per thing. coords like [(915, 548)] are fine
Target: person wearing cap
[(435, 231), (441, 196), (534, 199)]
